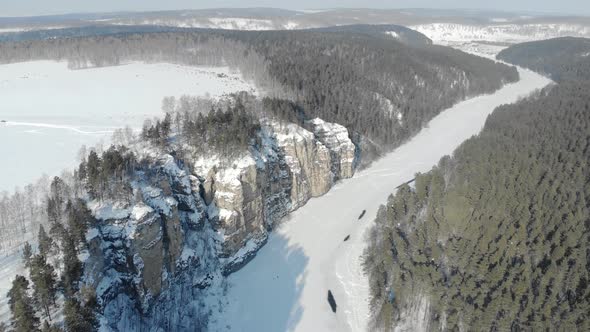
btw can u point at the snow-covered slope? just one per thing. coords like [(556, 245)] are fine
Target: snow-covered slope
[(52, 111), (285, 287), (489, 39), (29, 28), (502, 33), (229, 23)]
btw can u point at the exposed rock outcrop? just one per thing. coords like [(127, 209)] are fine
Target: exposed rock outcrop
[(335, 138), (188, 230)]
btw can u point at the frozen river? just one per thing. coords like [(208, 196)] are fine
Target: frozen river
[(285, 287)]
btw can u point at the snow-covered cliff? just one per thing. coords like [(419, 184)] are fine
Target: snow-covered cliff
[(157, 258)]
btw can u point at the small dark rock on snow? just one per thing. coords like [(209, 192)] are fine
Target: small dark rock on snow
[(346, 238), (331, 301), (362, 214)]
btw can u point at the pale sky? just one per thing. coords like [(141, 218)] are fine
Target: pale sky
[(45, 7)]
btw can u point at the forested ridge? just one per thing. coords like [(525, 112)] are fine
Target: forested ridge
[(496, 237), (380, 88), (364, 83), (562, 59)]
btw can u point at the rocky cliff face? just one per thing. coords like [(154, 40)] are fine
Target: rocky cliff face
[(182, 232)]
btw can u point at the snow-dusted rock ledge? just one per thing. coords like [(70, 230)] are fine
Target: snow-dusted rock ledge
[(184, 231)]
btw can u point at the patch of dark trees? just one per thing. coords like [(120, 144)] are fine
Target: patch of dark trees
[(33, 299)]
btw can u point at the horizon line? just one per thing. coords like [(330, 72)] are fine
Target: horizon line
[(139, 11)]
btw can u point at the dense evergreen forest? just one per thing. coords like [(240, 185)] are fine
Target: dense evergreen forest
[(362, 82), (562, 59), (381, 88), (496, 237)]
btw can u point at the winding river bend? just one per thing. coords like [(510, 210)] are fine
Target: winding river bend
[(285, 287)]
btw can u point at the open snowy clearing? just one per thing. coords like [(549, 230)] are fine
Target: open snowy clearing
[(285, 287), (51, 111)]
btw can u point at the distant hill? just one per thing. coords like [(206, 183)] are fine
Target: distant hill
[(561, 58), (279, 19), (387, 31)]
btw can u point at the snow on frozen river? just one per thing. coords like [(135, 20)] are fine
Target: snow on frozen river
[(51, 111), (285, 287)]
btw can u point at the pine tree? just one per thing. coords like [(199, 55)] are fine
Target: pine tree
[(49, 328), (72, 265), (44, 283), (93, 171), (45, 242), (58, 231), (90, 308), (21, 306), (165, 128), (73, 318), (27, 253), (57, 195), (82, 171), (78, 219), (80, 318)]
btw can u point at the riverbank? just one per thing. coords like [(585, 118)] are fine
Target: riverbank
[(285, 286)]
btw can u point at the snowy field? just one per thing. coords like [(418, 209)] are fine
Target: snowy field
[(285, 287), (51, 111)]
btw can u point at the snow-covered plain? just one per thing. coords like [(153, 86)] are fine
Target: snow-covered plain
[(51, 111), (284, 288)]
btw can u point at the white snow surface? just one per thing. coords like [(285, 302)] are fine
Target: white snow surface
[(284, 288), (393, 34), (228, 23), (51, 111), (505, 33), (238, 23), (489, 40), (31, 28)]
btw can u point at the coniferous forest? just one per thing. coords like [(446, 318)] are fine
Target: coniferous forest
[(496, 237)]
